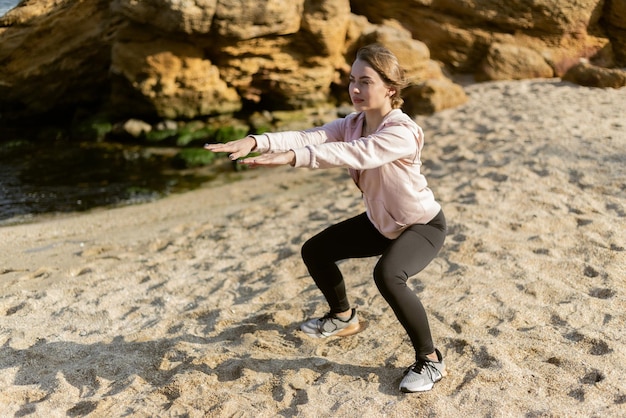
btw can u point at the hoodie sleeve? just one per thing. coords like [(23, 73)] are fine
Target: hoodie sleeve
[(298, 140), (395, 140)]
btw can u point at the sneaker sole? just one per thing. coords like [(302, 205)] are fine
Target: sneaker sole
[(422, 389), (444, 373), (346, 332)]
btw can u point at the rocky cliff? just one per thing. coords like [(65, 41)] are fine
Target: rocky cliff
[(188, 59), (517, 39)]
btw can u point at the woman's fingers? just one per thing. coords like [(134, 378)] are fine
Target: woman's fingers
[(220, 147), (237, 149), (275, 159)]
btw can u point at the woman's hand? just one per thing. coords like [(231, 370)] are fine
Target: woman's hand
[(272, 159), (237, 149)]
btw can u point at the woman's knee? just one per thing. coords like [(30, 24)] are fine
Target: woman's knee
[(307, 250), (386, 277), (312, 249)]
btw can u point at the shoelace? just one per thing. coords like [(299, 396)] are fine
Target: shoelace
[(333, 316), (420, 365), (327, 317)]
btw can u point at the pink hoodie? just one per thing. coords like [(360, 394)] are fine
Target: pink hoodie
[(384, 165)]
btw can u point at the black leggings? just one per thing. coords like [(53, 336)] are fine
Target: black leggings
[(401, 258)]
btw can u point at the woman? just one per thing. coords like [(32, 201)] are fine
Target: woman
[(403, 223)]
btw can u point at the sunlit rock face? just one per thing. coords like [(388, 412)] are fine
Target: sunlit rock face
[(188, 59), (462, 33)]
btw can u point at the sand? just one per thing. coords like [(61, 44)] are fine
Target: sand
[(190, 305)]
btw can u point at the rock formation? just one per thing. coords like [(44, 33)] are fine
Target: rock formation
[(175, 59), (589, 75), (615, 22), (481, 36), (54, 55)]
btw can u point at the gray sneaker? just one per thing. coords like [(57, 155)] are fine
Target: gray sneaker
[(423, 374), (329, 325)]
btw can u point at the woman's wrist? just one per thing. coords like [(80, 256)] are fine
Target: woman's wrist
[(254, 144), (292, 162)]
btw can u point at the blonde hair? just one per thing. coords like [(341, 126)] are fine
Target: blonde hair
[(385, 63)]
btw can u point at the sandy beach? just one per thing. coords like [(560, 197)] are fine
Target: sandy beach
[(190, 305)]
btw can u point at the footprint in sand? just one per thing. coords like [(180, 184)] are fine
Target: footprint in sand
[(590, 272), (40, 273), (594, 346), (15, 308), (602, 293)]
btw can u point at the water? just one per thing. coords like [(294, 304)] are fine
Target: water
[(54, 177), (6, 5)]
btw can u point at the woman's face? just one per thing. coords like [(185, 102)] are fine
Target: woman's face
[(367, 89)]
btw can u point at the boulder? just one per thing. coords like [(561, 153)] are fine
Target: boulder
[(586, 74), (135, 128), (513, 62), (433, 96)]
